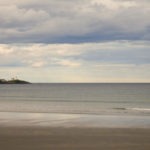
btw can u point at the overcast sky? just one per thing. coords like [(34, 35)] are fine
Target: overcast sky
[(75, 40)]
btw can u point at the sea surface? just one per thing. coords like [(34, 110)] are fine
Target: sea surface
[(75, 104)]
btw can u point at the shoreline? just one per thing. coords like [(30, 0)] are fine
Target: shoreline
[(15, 119)]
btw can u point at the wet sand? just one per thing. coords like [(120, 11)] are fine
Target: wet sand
[(51, 138)]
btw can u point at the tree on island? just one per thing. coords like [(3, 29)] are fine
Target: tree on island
[(13, 81)]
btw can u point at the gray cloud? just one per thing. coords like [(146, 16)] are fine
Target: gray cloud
[(119, 61), (65, 21), (75, 55), (132, 55)]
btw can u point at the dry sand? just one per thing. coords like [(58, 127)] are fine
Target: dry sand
[(49, 138)]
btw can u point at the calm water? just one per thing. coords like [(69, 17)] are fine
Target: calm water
[(76, 98), (83, 105)]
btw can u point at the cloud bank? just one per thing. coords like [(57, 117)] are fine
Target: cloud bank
[(76, 21)]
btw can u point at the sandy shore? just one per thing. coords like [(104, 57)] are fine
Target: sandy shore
[(50, 138)]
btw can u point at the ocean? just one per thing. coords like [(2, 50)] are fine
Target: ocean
[(75, 104)]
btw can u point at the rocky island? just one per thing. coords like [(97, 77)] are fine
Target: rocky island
[(13, 81)]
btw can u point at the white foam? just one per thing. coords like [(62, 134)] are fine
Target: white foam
[(141, 109)]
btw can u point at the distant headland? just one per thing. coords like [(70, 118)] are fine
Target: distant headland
[(13, 81)]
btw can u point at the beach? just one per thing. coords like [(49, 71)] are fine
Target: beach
[(75, 117), (44, 131), (60, 138)]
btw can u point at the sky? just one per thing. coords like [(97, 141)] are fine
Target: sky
[(75, 40)]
